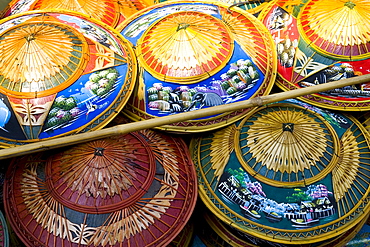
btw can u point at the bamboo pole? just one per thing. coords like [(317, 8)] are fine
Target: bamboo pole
[(44, 145)]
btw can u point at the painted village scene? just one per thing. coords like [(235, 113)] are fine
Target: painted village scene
[(232, 86), (269, 151), (302, 207), (241, 76)]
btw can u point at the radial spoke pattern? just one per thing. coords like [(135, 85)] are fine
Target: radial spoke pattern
[(281, 142), (338, 27), (60, 72), (186, 44), (37, 57), (106, 11), (119, 191), (102, 174), (351, 176), (282, 158)]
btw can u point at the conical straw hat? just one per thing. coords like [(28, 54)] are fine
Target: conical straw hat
[(137, 189), (61, 73), (319, 42)]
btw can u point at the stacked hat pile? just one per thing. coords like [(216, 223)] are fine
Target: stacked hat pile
[(286, 172)]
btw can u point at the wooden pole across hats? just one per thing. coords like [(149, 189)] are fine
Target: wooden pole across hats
[(195, 55), (61, 72), (162, 121)]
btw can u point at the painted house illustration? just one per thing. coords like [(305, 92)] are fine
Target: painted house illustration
[(255, 206)]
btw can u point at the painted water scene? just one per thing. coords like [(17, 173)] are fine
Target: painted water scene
[(295, 208), (233, 85), (198, 61)]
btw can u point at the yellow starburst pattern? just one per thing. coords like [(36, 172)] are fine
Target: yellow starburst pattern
[(286, 150), (222, 146), (251, 6), (38, 57), (185, 46), (253, 38), (106, 10), (337, 26), (286, 144), (245, 36), (346, 170)]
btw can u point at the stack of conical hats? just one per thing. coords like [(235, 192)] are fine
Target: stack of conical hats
[(120, 112)]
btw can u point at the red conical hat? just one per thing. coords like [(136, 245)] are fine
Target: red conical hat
[(138, 189)]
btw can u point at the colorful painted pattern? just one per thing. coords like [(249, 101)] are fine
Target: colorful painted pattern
[(194, 55), (110, 12), (319, 41), (300, 195), (72, 75)]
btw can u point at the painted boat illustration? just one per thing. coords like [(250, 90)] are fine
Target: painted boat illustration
[(303, 222), (250, 212), (273, 216)]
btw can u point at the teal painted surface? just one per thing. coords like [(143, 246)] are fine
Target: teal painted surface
[(4, 229), (307, 210)]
